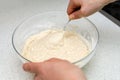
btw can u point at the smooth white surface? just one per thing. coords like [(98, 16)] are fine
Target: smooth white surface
[(105, 65)]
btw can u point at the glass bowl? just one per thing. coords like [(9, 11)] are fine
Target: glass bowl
[(55, 19)]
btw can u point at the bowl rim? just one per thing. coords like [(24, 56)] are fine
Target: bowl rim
[(13, 34)]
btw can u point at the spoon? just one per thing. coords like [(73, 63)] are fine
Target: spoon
[(64, 28)]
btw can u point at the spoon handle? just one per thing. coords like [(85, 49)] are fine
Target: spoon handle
[(66, 24)]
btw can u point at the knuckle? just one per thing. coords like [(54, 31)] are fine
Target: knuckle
[(53, 59), (84, 12)]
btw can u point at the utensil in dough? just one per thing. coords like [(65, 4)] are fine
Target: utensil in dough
[(64, 28)]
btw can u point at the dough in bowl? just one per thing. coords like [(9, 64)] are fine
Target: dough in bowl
[(54, 43)]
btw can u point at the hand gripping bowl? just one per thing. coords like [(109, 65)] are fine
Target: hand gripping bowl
[(54, 19)]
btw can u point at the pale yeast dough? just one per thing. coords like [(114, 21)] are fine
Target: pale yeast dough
[(55, 44)]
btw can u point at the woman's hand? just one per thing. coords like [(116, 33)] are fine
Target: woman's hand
[(82, 8), (54, 69)]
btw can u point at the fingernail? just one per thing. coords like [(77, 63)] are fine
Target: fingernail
[(71, 17), (26, 67)]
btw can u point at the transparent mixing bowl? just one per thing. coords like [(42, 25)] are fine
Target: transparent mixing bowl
[(50, 20)]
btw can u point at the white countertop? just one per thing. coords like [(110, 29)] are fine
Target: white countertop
[(105, 65)]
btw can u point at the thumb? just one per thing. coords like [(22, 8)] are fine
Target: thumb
[(32, 67), (76, 15)]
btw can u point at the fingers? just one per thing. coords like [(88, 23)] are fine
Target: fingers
[(37, 77), (53, 60), (37, 67), (83, 12), (76, 15), (71, 7), (32, 67)]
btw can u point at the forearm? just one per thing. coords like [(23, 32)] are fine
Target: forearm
[(105, 2)]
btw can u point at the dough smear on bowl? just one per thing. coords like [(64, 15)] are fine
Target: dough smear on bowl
[(61, 44)]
